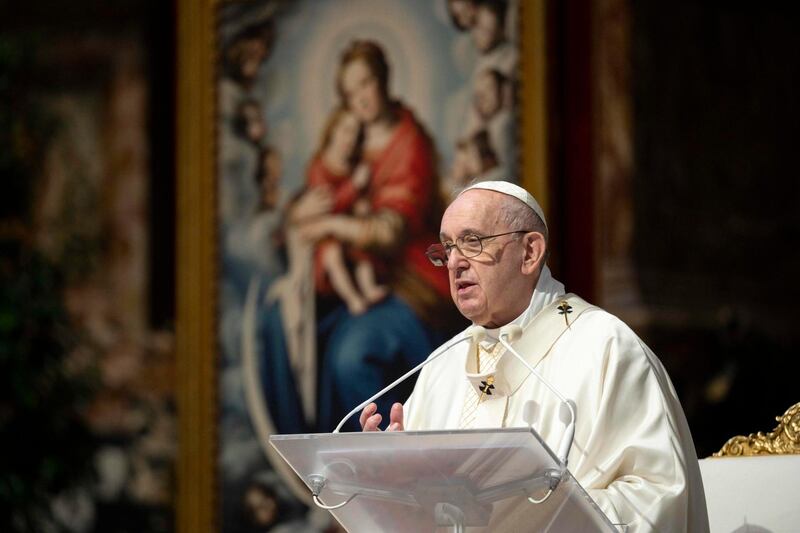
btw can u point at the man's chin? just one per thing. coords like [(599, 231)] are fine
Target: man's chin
[(471, 314)]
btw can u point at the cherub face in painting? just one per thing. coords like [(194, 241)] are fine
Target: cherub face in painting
[(345, 134), (261, 505), (462, 12), (252, 53), (362, 91), (472, 159), (255, 127), (487, 31), (466, 163), (487, 97)]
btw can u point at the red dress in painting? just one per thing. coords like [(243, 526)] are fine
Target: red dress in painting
[(345, 195), (403, 181)]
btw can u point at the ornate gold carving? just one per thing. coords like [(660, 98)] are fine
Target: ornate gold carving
[(784, 439)]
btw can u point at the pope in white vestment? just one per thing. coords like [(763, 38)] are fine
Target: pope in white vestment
[(632, 450)]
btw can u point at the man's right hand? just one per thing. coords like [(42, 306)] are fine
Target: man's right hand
[(370, 418)]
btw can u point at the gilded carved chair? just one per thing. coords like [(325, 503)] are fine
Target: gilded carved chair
[(753, 482)]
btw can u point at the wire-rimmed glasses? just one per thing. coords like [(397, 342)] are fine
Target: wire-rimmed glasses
[(469, 245)]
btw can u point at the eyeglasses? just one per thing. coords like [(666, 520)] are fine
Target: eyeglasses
[(470, 245)]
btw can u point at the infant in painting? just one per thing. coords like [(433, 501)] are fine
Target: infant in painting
[(338, 166)]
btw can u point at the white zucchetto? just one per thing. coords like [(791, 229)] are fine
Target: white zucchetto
[(506, 187)]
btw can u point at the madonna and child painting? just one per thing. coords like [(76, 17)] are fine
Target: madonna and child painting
[(343, 129)]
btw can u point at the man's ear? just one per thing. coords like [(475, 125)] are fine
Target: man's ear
[(534, 248)]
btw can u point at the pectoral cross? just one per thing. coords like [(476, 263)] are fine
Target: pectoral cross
[(564, 309), (486, 388)]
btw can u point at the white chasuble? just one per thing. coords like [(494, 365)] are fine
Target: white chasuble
[(632, 450)]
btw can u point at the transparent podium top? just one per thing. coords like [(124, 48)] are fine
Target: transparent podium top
[(466, 480)]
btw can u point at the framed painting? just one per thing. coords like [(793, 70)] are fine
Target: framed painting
[(318, 145)]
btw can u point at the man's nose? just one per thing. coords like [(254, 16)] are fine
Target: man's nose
[(456, 259)]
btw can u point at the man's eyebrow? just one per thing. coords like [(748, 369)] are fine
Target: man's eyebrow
[(465, 231)]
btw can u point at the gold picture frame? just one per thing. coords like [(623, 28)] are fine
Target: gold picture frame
[(197, 264)]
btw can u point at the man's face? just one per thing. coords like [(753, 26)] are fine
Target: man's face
[(361, 89), (489, 289)]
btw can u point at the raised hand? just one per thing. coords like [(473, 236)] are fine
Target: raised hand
[(370, 418)]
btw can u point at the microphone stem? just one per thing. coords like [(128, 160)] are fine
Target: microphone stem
[(379, 394), (399, 380), (571, 427)]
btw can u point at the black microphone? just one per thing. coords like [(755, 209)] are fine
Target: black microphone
[(473, 333), (512, 332)]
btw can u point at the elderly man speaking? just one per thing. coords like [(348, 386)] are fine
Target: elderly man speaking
[(632, 449)]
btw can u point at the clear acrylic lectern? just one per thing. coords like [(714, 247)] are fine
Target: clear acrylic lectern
[(466, 480)]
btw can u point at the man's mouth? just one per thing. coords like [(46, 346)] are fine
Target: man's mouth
[(462, 286)]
